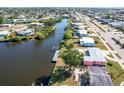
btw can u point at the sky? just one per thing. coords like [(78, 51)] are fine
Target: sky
[(61, 3)]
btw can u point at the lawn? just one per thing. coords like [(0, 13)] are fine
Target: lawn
[(69, 82), (61, 77), (99, 43), (110, 55), (115, 70)]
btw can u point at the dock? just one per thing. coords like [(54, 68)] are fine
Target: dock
[(55, 57)]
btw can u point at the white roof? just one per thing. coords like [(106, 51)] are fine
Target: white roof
[(87, 40), (37, 23), (77, 23), (4, 32), (82, 31), (81, 27), (94, 54), (25, 31)]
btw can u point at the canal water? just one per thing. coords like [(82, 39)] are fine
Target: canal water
[(24, 62)]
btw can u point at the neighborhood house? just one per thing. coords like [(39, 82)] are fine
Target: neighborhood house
[(4, 33), (87, 42), (82, 33), (26, 32)]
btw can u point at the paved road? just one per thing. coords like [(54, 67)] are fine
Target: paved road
[(107, 37)]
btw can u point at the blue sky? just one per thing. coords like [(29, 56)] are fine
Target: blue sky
[(61, 3)]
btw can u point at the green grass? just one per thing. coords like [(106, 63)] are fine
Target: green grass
[(110, 55), (99, 43), (101, 46), (115, 70)]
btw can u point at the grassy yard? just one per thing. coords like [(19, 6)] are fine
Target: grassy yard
[(110, 55), (99, 43), (60, 76), (69, 82), (115, 70)]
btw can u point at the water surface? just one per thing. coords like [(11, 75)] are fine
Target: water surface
[(21, 63)]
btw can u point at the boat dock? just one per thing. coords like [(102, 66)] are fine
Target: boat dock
[(55, 57)]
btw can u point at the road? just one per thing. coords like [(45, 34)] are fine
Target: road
[(107, 39)]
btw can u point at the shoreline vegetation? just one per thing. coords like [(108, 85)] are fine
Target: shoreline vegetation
[(39, 35), (68, 61)]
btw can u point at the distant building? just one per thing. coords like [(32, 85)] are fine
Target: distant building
[(119, 38), (4, 33), (93, 57), (81, 27), (87, 42), (78, 25), (38, 24), (26, 32)]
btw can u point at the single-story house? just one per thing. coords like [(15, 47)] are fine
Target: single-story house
[(1, 37), (82, 27), (5, 33), (7, 25), (38, 24), (87, 42), (94, 57), (82, 33), (99, 77), (77, 24), (26, 32)]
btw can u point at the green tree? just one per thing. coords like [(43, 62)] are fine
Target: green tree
[(72, 57), (1, 20), (40, 36), (68, 34)]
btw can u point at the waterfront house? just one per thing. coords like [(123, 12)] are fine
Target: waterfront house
[(87, 42), (94, 56), (26, 32), (4, 33)]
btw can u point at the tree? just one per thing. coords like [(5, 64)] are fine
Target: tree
[(84, 78), (68, 34), (123, 45), (40, 36), (72, 57), (1, 20)]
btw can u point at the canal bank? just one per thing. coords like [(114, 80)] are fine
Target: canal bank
[(23, 63)]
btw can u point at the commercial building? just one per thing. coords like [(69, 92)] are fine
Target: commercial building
[(94, 57)]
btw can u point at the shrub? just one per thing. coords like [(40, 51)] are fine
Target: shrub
[(17, 38), (39, 36)]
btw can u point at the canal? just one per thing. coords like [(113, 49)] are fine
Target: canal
[(22, 63)]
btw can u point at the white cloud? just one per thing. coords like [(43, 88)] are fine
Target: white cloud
[(61, 3)]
